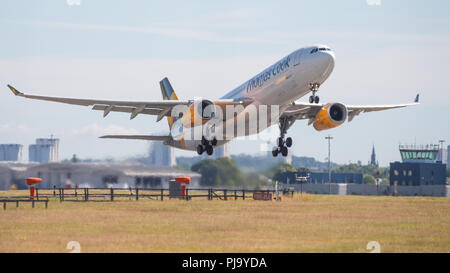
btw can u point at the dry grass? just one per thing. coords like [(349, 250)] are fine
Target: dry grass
[(306, 223)]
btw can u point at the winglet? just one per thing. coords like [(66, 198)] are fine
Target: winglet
[(416, 100), (15, 91)]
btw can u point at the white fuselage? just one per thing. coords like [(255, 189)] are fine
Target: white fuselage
[(280, 84)]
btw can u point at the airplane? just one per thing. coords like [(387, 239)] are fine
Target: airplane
[(281, 85)]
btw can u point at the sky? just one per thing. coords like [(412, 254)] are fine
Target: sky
[(386, 52)]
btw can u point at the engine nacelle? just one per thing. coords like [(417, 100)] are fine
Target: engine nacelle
[(330, 116), (200, 112)]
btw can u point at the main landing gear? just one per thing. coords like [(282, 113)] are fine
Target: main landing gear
[(314, 87), (282, 143), (206, 146)]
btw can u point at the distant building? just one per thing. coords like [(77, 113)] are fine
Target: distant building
[(221, 151), (44, 151), (419, 166), (11, 152), (448, 156), (54, 143), (161, 155), (373, 158)]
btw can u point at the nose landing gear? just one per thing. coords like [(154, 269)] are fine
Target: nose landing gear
[(314, 87)]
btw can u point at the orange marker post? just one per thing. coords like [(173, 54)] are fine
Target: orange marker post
[(30, 182), (184, 180)]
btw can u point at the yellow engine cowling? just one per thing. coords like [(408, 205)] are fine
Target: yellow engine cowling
[(198, 113), (330, 116)]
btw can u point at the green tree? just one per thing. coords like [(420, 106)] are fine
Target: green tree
[(368, 179), (74, 159), (367, 169), (302, 169), (208, 170), (281, 169), (178, 167), (220, 172)]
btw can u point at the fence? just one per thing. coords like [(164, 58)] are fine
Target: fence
[(113, 194), (18, 201)]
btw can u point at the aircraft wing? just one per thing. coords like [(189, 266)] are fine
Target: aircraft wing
[(301, 110), (142, 137), (160, 108)]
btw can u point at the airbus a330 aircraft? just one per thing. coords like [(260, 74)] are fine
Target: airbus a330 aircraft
[(280, 85)]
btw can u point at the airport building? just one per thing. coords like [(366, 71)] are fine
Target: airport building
[(448, 156), (45, 150), (420, 166), (13, 173), (91, 175), (11, 152), (161, 155), (321, 178), (443, 155)]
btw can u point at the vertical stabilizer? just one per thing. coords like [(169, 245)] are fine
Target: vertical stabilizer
[(168, 94), (167, 90)]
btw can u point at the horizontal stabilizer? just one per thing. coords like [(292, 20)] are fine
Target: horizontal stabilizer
[(142, 137)]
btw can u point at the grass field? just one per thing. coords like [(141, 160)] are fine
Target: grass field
[(304, 223)]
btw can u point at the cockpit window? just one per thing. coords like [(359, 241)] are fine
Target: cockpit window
[(314, 50)]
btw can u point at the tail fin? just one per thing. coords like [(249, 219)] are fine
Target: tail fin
[(168, 94), (167, 90)]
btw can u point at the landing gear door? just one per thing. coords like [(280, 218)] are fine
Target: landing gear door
[(297, 57)]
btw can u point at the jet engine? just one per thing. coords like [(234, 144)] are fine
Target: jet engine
[(199, 113), (330, 116)]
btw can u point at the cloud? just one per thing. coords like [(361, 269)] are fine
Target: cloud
[(14, 129), (173, 32), (373, 2)]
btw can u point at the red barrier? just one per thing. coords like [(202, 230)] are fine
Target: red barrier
[(266, 196)]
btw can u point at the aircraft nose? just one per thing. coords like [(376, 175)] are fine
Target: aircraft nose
[(325, 61)]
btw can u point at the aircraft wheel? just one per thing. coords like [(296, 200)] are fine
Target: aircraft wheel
[(275, 151), (214, 142), (209, 149), (288, 142), (311, 99), (316, 99), (204, 141), (280, 142), (199, 149), (284, 151)]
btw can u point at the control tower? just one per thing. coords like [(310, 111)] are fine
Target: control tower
[(419, 166), (419, 153)]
